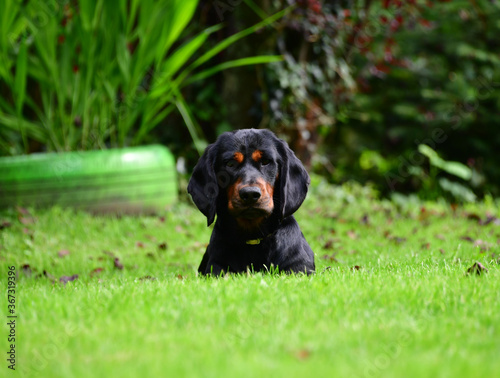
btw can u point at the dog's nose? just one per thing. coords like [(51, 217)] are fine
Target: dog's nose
[(250, 194)]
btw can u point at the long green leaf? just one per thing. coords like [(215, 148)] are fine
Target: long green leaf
[(171, 65), (191, 124), (20, 78), (257, 10), (20, 87), (261, 59), (236, 37), (87, 11), (123, 59), (32, 130), (146, 127), (180, 13)]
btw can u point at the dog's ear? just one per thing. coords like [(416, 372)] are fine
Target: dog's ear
[(293, 181), (203, 185)]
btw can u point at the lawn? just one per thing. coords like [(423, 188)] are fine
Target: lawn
[(391, 296)]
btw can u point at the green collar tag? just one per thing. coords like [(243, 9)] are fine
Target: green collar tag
[(253, 241)]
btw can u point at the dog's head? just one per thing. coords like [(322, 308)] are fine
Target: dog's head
[(250, 175)]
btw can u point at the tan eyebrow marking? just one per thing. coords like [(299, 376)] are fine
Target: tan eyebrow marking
[(257, 155), (238, 156)]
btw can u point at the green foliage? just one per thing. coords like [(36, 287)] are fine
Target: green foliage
[(452, 167), (457, 190), (428, 74), (100, 72)]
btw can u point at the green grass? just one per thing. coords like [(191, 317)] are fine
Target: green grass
[(410, 310)]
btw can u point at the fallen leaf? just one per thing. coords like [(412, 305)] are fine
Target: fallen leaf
[(63, 252), (108, 253), (49, 276), (66, 279), (96, 271), (442, 251), (328, 244), (22, 211), (352, 234), (179, 277), (27, 220), (423, 215), (5, 224), (365, 220), (118, 264), (330, 257), (483, 245), (162, 219), (489, 219), (356, 267), (467, 238), (163, 246), (477, 268), (426, 245), (149, 278), (328, 215), (473, 216), (26, 269), (397, 239), (440, 236), (151, 255), (139, 244), (303, 354)]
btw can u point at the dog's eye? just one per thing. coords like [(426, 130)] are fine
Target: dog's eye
[(230, 164), (265, 161)]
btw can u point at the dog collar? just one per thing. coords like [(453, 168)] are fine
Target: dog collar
[(253, 241), (257, 241)]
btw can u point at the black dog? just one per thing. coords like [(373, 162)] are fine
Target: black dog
[(254, 183)]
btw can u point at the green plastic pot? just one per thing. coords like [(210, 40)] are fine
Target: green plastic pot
[(128, 180)]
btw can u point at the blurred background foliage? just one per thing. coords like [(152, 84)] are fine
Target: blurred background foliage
[(404, 95)]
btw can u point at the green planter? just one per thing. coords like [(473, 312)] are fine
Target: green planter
[(129, 180)]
